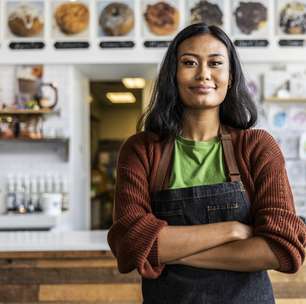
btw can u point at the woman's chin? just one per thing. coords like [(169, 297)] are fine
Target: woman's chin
[(202, 105)]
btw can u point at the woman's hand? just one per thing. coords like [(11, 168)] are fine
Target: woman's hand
[(242, 231)]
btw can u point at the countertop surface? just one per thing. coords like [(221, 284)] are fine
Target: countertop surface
[(94, 240)]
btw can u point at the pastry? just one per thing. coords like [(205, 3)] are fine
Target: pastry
[(250, 16), (207, 12), (116, 19), (162, 18), (25, 21), (72, 17), (293, 18)]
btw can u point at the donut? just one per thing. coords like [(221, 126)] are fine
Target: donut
[(250, 16), (116, 19), (25, 21), (207, 12), (292, 18), (72, 17), (162, 18)]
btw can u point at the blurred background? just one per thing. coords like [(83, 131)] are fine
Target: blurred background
[(75, 76)]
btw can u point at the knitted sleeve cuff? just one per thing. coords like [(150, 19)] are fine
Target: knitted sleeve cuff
[(150, 266), (284, 259)]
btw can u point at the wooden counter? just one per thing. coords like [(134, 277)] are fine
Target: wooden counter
[(92, 277)]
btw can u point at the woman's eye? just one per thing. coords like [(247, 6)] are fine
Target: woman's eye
[(216, 63), (189, 62)]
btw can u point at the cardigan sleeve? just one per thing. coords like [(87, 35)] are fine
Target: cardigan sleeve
[(273, 208), (133, 235)]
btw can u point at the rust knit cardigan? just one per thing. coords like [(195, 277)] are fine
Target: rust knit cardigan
[(133, 237)]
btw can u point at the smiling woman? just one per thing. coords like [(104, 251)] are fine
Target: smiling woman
[(203, 205), (203, 72), (236, 108)]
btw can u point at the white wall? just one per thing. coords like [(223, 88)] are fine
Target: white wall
[(40, 159), (80, 147), (36, 159)]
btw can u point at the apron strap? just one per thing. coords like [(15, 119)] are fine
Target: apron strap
[(163, 172), (229, 154), (164, 168)]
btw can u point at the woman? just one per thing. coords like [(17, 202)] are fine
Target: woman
[(200, 227)]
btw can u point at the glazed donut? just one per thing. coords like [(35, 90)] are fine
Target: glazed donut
[(72, 18), (25, 21), (116, 19), (162, 18)]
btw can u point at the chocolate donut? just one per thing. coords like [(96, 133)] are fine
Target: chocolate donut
[(207, 12), (116, 19), (162, 18), (250, 16)]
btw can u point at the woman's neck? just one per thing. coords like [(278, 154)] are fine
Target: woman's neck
[(200, 125)]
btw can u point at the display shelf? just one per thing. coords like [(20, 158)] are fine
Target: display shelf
[(28, 112), (62, 142), (39, 221), (41, 140), (291, 99)]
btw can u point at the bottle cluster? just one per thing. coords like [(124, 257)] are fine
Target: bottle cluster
[(25, 192)]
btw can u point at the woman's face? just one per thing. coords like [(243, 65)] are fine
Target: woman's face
[(202, 72)]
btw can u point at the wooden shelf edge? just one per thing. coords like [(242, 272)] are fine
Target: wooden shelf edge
[(269, 99), (56, 254), (42, 140), (28, 112)]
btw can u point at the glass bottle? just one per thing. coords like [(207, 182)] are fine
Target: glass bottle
[(11, 196)]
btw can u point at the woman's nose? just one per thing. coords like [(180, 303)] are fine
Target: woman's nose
[(204, 73)]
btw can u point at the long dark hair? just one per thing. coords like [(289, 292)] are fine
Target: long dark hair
[(164, 115)]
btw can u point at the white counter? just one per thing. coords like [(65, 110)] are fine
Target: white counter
[(95, 240)]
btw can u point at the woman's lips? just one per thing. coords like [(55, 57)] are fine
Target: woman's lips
[(202, 89)]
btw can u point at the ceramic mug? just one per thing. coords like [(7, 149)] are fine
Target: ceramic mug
[(51, 203)]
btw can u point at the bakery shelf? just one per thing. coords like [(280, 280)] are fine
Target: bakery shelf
[(28, 112), (277, 99), (38, 221), (41, 140), (62, 142)]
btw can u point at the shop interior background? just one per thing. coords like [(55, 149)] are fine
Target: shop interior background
[(60, 132)]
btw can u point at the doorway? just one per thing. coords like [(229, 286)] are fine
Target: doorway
[(111, 123)]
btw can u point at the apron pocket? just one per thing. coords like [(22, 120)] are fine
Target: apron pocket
[(224, 212), (172, 217)]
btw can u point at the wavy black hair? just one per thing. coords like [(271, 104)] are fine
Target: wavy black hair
[(164, 115)]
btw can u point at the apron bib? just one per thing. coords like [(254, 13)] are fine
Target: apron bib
[(205, 204)]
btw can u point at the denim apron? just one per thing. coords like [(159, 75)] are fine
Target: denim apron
[(204, 204)]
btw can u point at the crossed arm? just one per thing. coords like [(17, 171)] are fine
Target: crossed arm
[(224, 246)]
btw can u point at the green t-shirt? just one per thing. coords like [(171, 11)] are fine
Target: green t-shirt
[(197, 163)]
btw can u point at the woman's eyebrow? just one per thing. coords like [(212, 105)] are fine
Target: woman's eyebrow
[(215, 55), (197, 55)]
